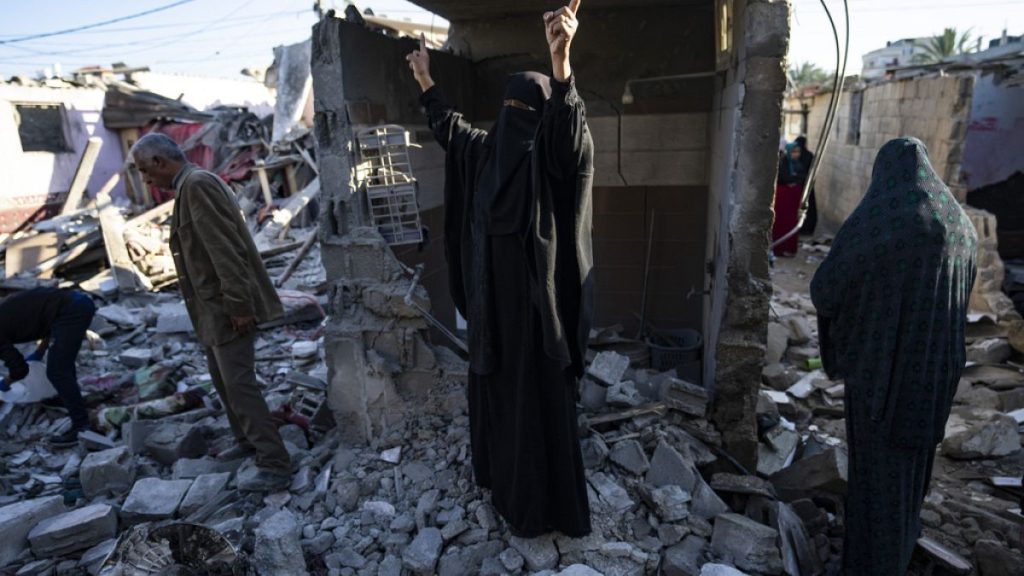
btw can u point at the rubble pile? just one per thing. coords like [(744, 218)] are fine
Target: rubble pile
[(972, 509)]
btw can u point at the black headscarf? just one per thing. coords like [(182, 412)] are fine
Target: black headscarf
[(506, 183), (892, 297)]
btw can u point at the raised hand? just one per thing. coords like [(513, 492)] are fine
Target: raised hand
[(560, 27), (419, 63)]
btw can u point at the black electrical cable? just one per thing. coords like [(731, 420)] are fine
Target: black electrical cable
[(96, 24)]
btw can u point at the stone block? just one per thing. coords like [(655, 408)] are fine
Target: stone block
[(669, 467), (173, 441), (778, 449), (277, 549), (204, 488), (720, 569), (593, 396), (825, 471), (611, 492), (136, 357), (154, 499), (609, 367), (424, 551), (779, 377), (173, 319), (996, 559), (470, 559), (629, 455), (778, 341), (538, 553), (670, 503), (595, 452), (135, 432), (746, 544), (189, 468), (92, 559), (686, 557), (18, 519), (706, 504), (75, 530), (991, 351), (765, 74), (685, 397), (975, 434), (108, 472)]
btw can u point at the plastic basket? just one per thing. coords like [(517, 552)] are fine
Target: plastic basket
[(686, 348)]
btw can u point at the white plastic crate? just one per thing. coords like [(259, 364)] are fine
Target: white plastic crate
[(385, 174)]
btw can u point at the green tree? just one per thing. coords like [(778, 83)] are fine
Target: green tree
[(942, 46), (807, 74)]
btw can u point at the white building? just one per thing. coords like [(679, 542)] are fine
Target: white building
[(898, 53)]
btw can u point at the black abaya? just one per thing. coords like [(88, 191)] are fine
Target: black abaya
[(517, 239), (892, 299)]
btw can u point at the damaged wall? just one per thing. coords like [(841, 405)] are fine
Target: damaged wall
[(745, 134), (995, 134), (36, 181), (934, 109)]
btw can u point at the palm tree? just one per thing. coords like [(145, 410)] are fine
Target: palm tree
[(807, 74), (942, 46)]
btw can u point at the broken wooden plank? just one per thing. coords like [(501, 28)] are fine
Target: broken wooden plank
[(289, 177), (45, 267), (82, 175), (129, 279), (26, 253), (303, 251), (153, 215), (261, 172), (658, 408)]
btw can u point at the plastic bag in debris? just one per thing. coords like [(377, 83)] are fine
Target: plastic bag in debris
[(33, 388)]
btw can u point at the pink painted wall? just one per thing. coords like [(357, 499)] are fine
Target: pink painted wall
[(994, 148)]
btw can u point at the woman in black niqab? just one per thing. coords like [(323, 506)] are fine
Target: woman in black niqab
[(892, 299), (517, 241)]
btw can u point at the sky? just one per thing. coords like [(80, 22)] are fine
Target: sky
[(221, 37)]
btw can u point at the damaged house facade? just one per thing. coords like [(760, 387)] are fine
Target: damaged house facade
[(683, 101)]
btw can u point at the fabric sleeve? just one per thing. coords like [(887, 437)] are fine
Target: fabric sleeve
[(568, 145), (17, 368), (451, 130), (215, 225)]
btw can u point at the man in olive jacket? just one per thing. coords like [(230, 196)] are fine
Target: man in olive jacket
[(227, 292)]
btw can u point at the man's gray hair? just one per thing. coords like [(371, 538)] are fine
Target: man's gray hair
[(157, 145)]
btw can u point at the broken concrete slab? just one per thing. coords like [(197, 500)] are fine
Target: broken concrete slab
[(609, 367), (669, 467), (746, 543), (422, 554), (469, 559), (799, 329), (990, 351), (973, 434), (277, 549), (204, 488), (593, 396), (686, 557), (171, 442), (92, 559), (706, 503), (671, 503), (778, 341), (740, 484), (779, 377), (611, 492), (685, 397), (826, 471), (190, 468), (777, 451), (173, 319), (807, 384), (629, 455), (18, 519), (995, 559), (595, 452), (720, 570), (154, 499), (136, 357), (108, 472), (75, 530), (538, 553)]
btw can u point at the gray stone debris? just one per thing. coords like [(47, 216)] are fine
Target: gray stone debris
[(136, 357), (154, 499), (777, 451), (624, 395), (778, 341), (512, 560), (720, 570), (685, 558), (706, 504), (779, 377), (670, 503), (669, 467), (277, 549), (188, 468), (579, 570), (630, 456), (108, 472), (595, 452), (608, 367), (994, 559), (538, 553), (203, 489), (75, 530), (593, 396), (611, 492), (172, 441), (93, 558), (823, 471), (471, 559), (17, 520), (746, 544), (685, 397), (972, 434), (422, 554), (990, 351), (739, 484)]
